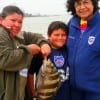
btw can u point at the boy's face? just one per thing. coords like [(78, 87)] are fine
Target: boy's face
[(58, 38)]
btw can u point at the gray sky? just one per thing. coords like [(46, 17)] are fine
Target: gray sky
[(38, 6)]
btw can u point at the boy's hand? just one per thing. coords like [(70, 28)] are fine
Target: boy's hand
[(45, 50)]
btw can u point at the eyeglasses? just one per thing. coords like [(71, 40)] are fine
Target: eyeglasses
[(82, 3)]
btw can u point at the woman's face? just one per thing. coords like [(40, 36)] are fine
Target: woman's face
[(58, 38), (13, 22), (84, 8)]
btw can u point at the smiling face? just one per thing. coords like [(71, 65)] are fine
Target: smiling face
[(13, 22), (57, 38), (84, 8)]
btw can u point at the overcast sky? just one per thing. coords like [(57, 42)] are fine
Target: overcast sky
[(38, 6)]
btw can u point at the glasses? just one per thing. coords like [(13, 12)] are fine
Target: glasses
[(82, 3)]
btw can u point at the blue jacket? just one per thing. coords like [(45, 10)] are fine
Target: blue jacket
[(84, 54)]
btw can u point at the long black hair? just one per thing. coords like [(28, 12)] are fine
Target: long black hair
[(70, 6)]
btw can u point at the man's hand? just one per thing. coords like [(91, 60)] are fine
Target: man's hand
[(34, 48)]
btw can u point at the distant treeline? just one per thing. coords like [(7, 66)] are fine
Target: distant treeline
[(28, 15), (37, 15)]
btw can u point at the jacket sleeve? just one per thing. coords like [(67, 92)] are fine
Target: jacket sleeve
[(13, 58), (35, 38)]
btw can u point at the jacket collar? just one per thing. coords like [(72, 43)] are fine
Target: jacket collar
[(93, 20)]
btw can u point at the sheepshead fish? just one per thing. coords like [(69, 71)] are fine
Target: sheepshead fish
[(48, 81)]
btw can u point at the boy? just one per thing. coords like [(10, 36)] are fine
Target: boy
[(57, 35)]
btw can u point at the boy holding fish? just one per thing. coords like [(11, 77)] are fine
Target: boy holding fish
[(57, 35)]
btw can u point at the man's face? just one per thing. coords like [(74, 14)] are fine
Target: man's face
[(13, 22)]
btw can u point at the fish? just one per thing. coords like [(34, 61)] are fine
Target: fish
[(48, 81)]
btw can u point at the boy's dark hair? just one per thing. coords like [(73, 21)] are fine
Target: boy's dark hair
[(70, 5), (10, 10), (57, 25)]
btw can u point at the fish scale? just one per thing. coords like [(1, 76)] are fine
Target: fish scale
[(48, 81)]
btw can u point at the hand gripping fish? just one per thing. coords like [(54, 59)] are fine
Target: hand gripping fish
[(48, 81)]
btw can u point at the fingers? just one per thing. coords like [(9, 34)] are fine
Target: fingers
[(45, 50), (34, 48)]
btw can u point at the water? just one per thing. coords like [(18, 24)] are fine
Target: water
[(40, 24)]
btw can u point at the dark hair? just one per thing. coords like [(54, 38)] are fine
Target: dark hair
[(57, 25), (70, 6), (10, 10)]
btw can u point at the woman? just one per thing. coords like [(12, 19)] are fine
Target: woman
[(16, 52), (84, 49)]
